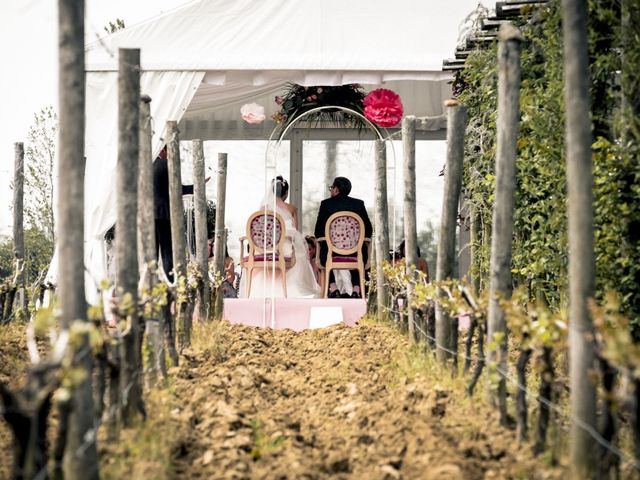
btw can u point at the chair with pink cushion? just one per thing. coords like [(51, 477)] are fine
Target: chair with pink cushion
[(265, 241), (344, 236)]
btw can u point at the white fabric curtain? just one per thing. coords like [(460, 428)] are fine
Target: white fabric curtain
[(172, 92)]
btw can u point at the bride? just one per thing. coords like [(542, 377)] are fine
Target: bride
[(301, 282)]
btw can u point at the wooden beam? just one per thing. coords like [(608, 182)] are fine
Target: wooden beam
[(214, 130)]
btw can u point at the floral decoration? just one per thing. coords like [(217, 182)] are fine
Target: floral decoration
[(383, 107), (252, 113)]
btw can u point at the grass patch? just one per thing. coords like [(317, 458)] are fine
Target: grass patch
[(145, 451)]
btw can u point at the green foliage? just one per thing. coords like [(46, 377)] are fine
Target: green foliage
[(539, 258), (262, 443), (39, 172), (38, 249), (6, 258), (113, 27)]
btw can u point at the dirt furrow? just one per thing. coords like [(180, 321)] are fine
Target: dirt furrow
[(339, 402)]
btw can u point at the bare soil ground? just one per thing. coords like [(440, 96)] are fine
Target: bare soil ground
[(333, 403), (340, 403), (13, 361)]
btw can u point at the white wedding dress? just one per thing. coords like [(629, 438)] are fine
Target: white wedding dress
[(301, 282)]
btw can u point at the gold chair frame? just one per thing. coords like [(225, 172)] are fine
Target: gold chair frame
[(281, 264), (356, 251)]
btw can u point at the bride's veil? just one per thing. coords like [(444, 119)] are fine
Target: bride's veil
[(274, 188), (269, 198)]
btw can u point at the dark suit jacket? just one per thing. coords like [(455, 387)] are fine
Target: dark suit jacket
[(340, 203), (161, 188)]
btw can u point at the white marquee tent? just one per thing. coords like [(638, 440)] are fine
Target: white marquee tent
[(202, 61)]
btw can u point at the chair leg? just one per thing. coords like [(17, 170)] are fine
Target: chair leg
[(249, 273), (327, 272), (361, 272), (284, 281), (321, 278)]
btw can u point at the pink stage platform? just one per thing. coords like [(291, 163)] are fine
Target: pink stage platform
[(294, 313)]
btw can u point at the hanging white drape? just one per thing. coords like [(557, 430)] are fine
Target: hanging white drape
[(170, 92)]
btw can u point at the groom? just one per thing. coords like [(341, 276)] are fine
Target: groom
[(338, 202)]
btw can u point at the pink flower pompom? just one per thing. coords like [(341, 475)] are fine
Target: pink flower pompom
[(383, 107), (252, 113)]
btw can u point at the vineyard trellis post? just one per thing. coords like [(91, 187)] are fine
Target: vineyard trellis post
[(18, 227), (410, 228), (578, 140), (80, 457), (446, 326), (200, 207), (127, 274), (220, 237), (147, 252), (502, 229), (147, 248), (178, 239), (381, 226)]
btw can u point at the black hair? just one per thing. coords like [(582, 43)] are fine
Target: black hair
[(401, 251), (342, 184), (281, 186)]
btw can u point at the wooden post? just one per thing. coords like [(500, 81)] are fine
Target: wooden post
[(220, 234), (178, 238), (18, 226), (202, 251), (295, 171), (71, 100), (581, 240), (410, 229), (147, 252), (127, 274), (381, 226), (446, 326), (502, 228)]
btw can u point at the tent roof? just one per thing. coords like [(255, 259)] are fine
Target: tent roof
[(316, 42)]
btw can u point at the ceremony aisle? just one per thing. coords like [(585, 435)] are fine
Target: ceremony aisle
[(333, 403)]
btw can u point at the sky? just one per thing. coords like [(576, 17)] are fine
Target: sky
[(28, 40), (29, 43)]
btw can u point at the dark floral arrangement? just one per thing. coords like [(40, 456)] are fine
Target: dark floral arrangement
[(382, 107)]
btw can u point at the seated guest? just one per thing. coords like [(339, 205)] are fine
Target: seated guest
[(338, 202), (311, 245), (421, 263), (229, 285)]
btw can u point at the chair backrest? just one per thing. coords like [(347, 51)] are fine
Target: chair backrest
[(260, 231), (344, 232)]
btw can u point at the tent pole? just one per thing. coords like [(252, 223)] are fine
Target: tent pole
[(295, 172), (331, 151)]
